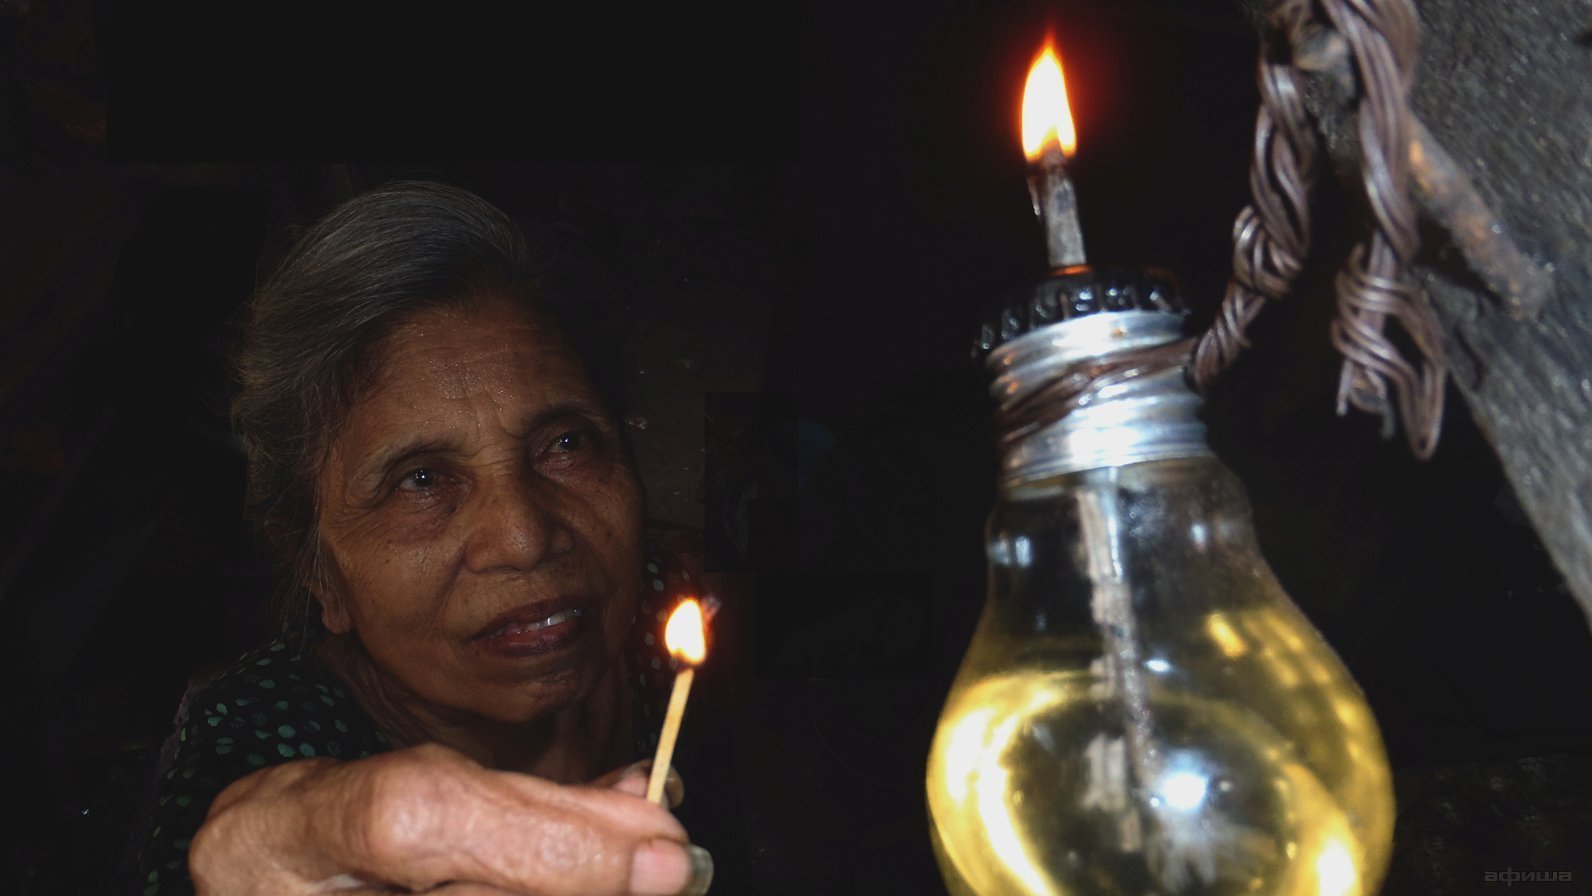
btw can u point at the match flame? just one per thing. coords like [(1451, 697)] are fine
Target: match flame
[(1047, 118), (683, 635)]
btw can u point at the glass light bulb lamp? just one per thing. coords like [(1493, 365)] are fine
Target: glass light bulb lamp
[(1142, 710)]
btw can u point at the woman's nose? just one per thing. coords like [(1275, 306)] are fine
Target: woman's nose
[(514, 525)]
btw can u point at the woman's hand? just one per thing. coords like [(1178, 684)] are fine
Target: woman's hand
[(427, 818), (634, 779)]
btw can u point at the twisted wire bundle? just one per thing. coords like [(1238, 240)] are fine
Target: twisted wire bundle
[(1272, 235)]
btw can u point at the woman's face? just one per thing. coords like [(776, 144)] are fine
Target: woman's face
[(482, 525)]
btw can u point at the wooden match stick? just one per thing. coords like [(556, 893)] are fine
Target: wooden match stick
[(671, 730)]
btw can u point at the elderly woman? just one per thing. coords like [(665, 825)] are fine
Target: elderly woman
[(435, 458)]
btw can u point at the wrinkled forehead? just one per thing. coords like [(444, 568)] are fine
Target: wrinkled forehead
[(454, 378), (451, 347)]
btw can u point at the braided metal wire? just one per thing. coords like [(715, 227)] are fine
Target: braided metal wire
[(1271, 236), (1375, 283)]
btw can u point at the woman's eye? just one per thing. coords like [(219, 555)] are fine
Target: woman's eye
[(419, 480), (576, 446)]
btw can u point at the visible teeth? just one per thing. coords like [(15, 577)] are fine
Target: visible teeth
[(515, 628), (555, 619)]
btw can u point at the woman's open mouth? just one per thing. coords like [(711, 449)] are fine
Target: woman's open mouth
[(535, 628)]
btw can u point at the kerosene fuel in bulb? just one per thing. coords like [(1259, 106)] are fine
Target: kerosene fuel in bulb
[(1142, 709)]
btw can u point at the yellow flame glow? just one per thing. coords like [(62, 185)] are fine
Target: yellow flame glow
[(1047, 117), (683, 635), (991, 785), (1226, 637), (1335, 871), (965, 747)]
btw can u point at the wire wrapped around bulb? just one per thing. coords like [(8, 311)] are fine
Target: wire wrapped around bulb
[(1074, 386)]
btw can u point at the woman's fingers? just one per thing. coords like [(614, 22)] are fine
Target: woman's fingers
[(633, 779), (657, 869), (428, 817), (624, 778), (444, 818), (661, 867)]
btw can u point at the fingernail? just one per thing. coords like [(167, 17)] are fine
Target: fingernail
[(701, 871), (667, 868), (633, 779), (674, 788)]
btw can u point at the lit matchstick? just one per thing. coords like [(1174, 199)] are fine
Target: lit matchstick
[(684, 638)]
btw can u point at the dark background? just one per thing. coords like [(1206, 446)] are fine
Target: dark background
[(810, 210)]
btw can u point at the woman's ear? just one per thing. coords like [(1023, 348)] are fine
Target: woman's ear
[(335, 616), (326, 587)]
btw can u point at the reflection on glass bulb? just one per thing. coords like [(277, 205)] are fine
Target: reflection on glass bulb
[(993, 788), (1183, 790), (1221, 631), (1335, 869), (1174, 726)]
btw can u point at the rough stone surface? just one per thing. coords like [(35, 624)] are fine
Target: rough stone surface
[(1502, 87)]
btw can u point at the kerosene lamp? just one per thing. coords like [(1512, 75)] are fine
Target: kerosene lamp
[(1142, 709)]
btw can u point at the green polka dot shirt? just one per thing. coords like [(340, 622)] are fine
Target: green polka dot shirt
[(277, 705)]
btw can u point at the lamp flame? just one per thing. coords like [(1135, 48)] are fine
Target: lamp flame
[(1047, 117), (683, 635)]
